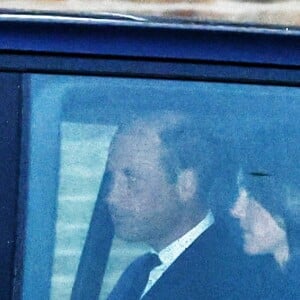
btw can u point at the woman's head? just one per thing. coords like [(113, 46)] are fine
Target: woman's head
[(266, 199), (267, 207), (263, 232)]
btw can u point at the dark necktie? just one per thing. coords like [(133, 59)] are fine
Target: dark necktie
[(133, 281)]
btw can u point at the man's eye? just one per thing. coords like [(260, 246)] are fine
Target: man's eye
[(130, 176)]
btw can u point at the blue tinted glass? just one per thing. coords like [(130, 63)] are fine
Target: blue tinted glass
[(143, 136)]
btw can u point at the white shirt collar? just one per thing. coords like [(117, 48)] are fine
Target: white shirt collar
[(171, 252)]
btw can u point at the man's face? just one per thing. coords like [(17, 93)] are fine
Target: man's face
[(143, 205), (262, 233)]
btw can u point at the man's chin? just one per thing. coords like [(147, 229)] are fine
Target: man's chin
[(251, 250)]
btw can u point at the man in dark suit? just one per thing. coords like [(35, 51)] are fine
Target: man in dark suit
[(160, 171)]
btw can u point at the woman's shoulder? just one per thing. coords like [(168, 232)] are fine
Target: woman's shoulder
[(292, 278)]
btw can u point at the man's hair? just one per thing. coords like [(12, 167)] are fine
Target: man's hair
[(187, 143)]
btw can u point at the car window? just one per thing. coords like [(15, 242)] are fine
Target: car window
[(95, 166)]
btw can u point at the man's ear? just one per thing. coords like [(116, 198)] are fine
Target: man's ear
[(187, 184)]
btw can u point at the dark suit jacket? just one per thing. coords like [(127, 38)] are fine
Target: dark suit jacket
[(282, 284), (211, 268)]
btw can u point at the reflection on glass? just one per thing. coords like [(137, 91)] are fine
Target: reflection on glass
[(170, 150)]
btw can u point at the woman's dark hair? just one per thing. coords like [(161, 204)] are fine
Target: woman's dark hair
[(266, 189)]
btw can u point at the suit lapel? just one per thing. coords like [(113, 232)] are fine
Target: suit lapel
[(187, 273)]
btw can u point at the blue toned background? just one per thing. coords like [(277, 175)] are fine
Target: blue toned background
[(72, 121)]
